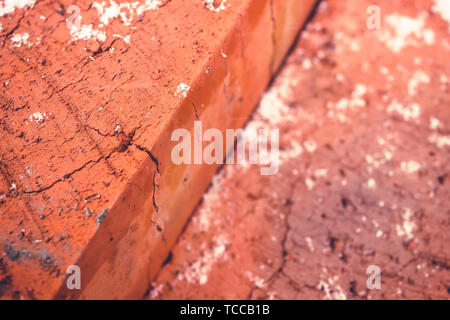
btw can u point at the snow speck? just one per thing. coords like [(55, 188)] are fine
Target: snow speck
[(440, 141), (37, 117), (156, 291), (200, 269), (310, 145), (371, 183), (337, 110), (272, 108), (125, 39), (29, 171), (211, 201), (182, 90), (406, 112), (409, 166), (407, 227), (418, 78), (434, 123), (306, 64), (291, 153), (332, 290), (309, 183), (309, 242), (257, 281)]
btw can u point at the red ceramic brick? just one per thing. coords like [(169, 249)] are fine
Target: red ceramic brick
[(86, 119)]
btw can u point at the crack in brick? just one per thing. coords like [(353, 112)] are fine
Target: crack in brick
[(6, 36), (274, 38), (155, 185), (68, 175), (195, 110)]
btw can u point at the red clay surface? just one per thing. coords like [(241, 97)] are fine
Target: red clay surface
[(85, 121), (364, 119)]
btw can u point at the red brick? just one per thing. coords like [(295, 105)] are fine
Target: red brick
[(86, 124)]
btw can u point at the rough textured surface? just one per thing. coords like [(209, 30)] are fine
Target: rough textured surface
[(85, 122), (364, 118)]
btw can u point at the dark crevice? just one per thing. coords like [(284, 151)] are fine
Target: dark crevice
[(6, 36), (295, 42), (67, 175), (155, 185), (195, 111), (274, 38)]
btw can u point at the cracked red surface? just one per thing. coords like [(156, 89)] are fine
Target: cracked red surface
[(364, 173), (85, 121)]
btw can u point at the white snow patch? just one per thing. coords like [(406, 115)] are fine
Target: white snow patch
[(125, 11), (407, 112), (378, 159), (443, 8), (407, 227), (209, 4), (37, 116), (371, 183), (418, 78), (410, 166), (310, 145), (293, 152), (307, 64), (20, 39), (440, 141), (29, 171), (182, 90), (200, 269), (309, 183), (156, 291), (332, 290), (86, 32), (405, 31), (211, 201), (257, 281), (272, 108), (309, 242), (9, 6), (337, 110), (125, 39), (434, 123)]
